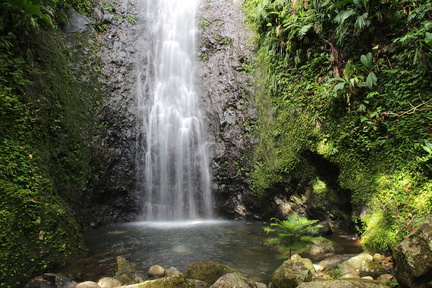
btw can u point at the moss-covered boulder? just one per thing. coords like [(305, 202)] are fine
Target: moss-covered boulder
[(292, 273), (208, 272), (230, 280)]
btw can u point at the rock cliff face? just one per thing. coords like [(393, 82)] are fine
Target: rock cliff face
[(125, 52), (105, 61), (225, 56)]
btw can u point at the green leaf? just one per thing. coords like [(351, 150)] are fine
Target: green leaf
[(428, 39), (340, 18), (336, 79), (302, 32), (371, 80), (428, 147), (339, 86), (362, 21), (366, 60)]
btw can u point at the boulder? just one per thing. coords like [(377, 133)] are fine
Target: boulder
[(170, 282), (208, 272), (292, 273), (64, 282), (412, 258), (126, 273), (87, 284), (108, 282), (230, 280), (75, 22), (372, 269), (387, 279), (323, 248), (156, 271), (172, 272), (345, 283), (351, 267)]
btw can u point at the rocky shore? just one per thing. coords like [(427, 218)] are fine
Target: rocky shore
[(361, 270)]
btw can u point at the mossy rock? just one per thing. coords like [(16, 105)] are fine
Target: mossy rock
[(348, 283), (230, 280), (292, 273), (168, 282), (208, 272)]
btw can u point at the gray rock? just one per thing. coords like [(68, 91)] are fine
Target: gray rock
[(108, 282), (156, 271), (323, 248), (64, 282), (172, 272), (75, 22), (87, 284), (413, 256), (371, 268), (346, 283), (230, 280)]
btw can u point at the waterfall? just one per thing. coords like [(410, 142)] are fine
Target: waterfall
[(174, 175)]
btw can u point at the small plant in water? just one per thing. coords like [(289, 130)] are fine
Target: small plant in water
[(292, 234)]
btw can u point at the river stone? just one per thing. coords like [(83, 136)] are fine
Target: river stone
[(335, 261), (260, 285), (230, 280), (64, 282), (208, 272), (323, 248), (156, 271), (172, 272), (87, 284), (170, 282), (371, 268), (413, 256), (292, 273), (108, 282), (358, 260), (386, 278), (342, 283), (126, 273)]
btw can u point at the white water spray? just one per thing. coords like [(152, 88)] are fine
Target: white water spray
[(176, 179)]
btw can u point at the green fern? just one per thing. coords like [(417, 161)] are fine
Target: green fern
[(292, 234)]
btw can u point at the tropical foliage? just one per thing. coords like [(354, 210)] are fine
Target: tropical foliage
[(42, 151), (292, 234), (348, 80)]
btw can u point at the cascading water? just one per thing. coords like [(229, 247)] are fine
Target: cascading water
[(176, 177)]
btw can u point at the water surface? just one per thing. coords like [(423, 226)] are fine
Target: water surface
[(238, 244)]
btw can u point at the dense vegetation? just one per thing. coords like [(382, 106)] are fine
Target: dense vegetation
[(348, 81), (43, 154)]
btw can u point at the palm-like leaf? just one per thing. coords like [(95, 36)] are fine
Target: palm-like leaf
[(293, 233)]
